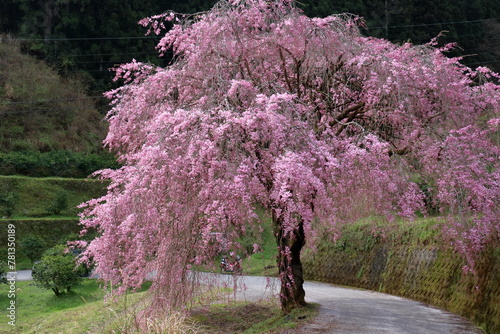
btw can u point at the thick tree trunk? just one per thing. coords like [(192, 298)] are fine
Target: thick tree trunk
[(292, 292)]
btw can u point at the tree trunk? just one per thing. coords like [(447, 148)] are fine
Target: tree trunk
[(292, 292)]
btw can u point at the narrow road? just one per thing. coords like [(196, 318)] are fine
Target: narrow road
[(352, 311), (21, 275), (345, 310)]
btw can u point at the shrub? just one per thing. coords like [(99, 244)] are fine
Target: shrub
[(59, 203), (8, 203), (33, 247), (60, 163), (57, 270)]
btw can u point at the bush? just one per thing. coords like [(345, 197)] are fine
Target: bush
[(57, 270), (60, 163), (60, 203), (8, 203), (33, 247)]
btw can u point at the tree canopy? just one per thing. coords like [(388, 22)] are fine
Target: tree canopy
[(263, 106)]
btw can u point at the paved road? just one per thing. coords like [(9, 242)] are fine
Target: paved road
[(345, 310), (351, 311), (21, 275)]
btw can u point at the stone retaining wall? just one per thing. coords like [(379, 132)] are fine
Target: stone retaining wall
[(422, 273)]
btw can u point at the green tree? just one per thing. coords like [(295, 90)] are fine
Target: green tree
[(8, 203), (33, 247), (57, 270), (59, 203)]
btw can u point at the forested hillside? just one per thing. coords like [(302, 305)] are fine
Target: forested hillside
[(42, 111), (60, 106), (49, 126), (473, 24), (92, 36)]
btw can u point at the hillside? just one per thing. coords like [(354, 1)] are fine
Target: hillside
[(43, 111)]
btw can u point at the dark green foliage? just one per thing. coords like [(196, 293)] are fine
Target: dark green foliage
[(60, 163), (57, 270), (59, 203), (8, 201), (3, 272), (33, 247)]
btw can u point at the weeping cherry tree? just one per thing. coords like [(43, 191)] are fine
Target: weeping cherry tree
[(264, 107)]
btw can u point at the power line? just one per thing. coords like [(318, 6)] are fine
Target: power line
[(158, 37), (83, 38), (435, 24), (483, 62), (52, 100)]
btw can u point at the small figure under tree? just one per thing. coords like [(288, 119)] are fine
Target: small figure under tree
[(265, 107)]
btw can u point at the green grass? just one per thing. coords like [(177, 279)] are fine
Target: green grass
[(365, 234), (84, 311), (33, 196), (264, 262), (81, 311), (23, 263), (52, 231), (279, 321), (40, 311)]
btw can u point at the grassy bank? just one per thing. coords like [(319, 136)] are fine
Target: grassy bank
[(30, 197), (42, 207), (40, 311), (85, 311)]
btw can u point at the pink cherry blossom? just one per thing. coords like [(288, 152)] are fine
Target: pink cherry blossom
[(263, 107)]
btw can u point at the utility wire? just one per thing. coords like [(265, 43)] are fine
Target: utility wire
[(159, 36), (83, 38), (435, 24), (52, 100)]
